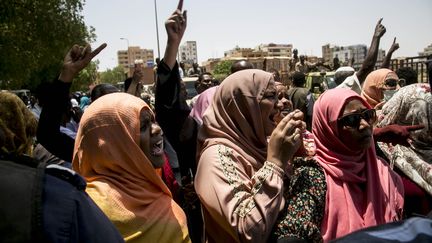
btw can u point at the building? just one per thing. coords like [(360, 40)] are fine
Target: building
[(242, 53), (427, 51), (126, 58), (188, 52), (327, 53), (276, 50)]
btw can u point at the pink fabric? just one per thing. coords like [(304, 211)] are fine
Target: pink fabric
[(203, 101), (362, 190)]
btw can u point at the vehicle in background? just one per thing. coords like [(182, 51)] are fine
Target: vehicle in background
[(318, 82), (190, 86)]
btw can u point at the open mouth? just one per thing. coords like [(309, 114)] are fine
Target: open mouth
[(157, 148), (285, 112)]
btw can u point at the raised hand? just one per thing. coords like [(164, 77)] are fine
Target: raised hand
[(379, 29), (76, 60), (286, 139), (394, 46), (175, 27), (176, 24)]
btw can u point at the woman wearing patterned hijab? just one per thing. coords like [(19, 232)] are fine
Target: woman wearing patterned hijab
[(18, 125), (412, 105)]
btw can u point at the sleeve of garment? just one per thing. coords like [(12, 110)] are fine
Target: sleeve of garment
[(48, 133), (305, 204), (70, 215), (172, 114), (245, 206)]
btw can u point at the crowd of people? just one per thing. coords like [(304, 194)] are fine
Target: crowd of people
[(249, 159)]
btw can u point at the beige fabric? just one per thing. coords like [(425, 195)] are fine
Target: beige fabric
[(120, 178), (241, 194)]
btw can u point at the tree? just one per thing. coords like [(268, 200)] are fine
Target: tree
[(86, 77), (113, 76), (222, 70), (34, 37)]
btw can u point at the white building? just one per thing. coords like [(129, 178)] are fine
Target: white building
[(188, 52), (427, 51)]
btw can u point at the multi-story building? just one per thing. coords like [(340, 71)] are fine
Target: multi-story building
[(427, 51), (188, 52), (276, 50), (126, 58), (327, 53), (343, 54)]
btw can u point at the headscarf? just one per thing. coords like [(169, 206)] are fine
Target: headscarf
[(361, 189), (372, 90), (234, 117), (17, 123), (120, 178), (411, 105), (201, 104), (84, 102)]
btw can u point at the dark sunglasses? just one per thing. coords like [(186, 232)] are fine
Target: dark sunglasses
[(353, 119), (391, 82)]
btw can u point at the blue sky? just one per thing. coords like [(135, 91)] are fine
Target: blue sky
[(220, 25)]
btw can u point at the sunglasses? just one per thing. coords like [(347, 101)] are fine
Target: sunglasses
[(353, 119), (391, 82)]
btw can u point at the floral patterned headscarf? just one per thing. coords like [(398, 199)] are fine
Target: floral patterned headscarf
[(17, 124), (412, 105)]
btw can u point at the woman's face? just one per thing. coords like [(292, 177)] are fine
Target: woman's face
[(356, 137), (282, 93), (151, 140), (270, 107)]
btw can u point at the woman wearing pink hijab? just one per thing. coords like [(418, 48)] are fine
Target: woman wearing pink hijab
[(345, 186)]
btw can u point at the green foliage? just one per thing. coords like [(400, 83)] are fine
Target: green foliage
[(34, 38), (112, 76), (86, 77), (222, 70), (223, 67)]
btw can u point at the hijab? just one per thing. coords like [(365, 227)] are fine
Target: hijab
[(372, 90), (361, 190), (18, 125), (120, 178), (201, 104), (234, 117), (411, 105)]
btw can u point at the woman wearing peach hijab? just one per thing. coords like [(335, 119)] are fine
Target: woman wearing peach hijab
[(117, 148), (380, 85), (345, 186), (239, 178)]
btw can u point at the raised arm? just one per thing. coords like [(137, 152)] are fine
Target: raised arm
[(371, 57), (48, 133), (387, 58), (175, 27)]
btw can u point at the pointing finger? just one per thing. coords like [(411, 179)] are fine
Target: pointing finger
[(379, 21), (180, 5), (97, 50), (415, 127)]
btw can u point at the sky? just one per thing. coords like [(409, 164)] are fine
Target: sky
[(221, 25)]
